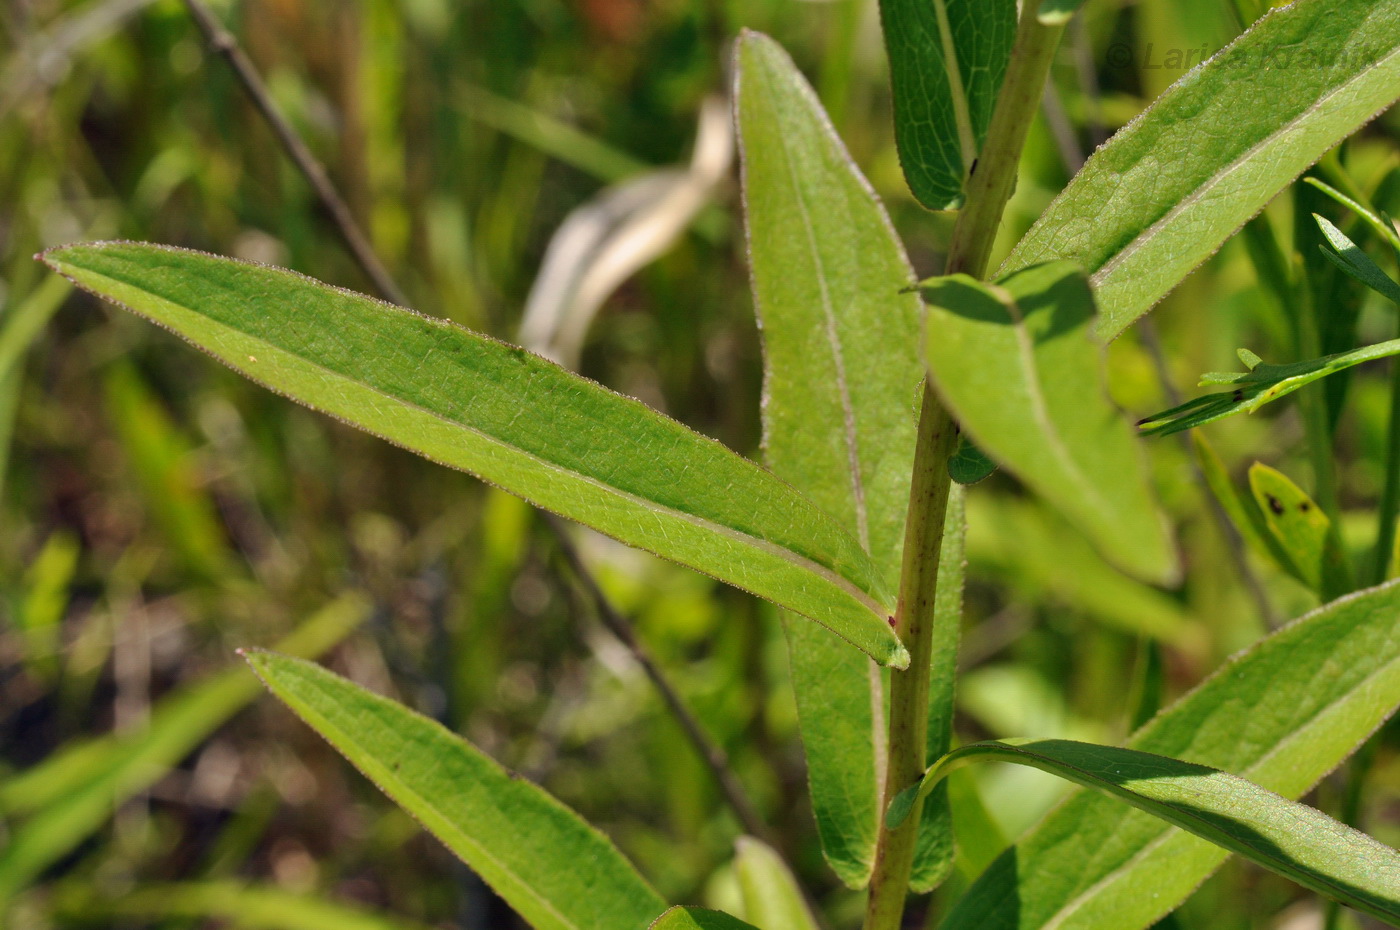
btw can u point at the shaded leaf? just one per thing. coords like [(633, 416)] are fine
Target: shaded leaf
[(509, 416), (1282, 715), (1165, 193), (1294, 840), (1015, 363), (947, 62), (555, 870), (841, 372), (969, 464), (698, 918)]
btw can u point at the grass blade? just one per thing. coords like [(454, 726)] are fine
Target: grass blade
[(510, 417), (698, 918), (555, 870), (841, 371), (1016, 364), (1281, 715), (1165, 193), (1294, 840)]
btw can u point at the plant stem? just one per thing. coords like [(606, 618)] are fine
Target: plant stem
[(994, 176), (908, 731), (989, 189), (1390, 497)]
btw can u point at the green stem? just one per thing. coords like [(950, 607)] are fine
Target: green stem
[(988, 190), (1390, 497)]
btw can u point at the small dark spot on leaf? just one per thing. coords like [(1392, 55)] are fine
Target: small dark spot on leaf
[(1238, 395), (1275, 505), (893, 624), (1305, 506), (973, 170)]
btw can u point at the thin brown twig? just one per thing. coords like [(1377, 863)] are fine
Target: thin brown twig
[(223, 42), (711, 752)]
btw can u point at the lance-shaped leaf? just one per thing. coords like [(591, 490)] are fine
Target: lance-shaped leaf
[(1165, 193), (1292, 839), (841, 375), (555, 870), (698, 918), (1262, 384), (510, 417), (1356, 263), (1281, 715), (1015, 363), (947, 62), (772, 898)]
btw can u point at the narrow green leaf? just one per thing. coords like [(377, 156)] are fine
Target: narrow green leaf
[(947, 62), (1261, 385), (698, 918), (1282, 715), (1165, 193), (1294, 840), (510, 417), (73, 793), (1356, 263), (45, 601), (1385, 231), (555, 870), (772, 898), (246, 906), (841, 373), (1055, 12), (1017, 366), (1302, 531)]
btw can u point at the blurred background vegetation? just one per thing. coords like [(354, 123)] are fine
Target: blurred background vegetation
[(159, 512)]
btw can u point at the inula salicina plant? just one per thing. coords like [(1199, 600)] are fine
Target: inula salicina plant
[(883, 398)]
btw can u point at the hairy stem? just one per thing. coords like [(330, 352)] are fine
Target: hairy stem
[(989, 188)]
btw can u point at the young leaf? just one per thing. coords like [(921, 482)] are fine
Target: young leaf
[(1294, 840), (772, 898), (1263, 384), (841, 372), (1281, 715), (74, 792), (947, 62), (1356, 263), (555, 870), (1303, 533), (1017, 366), (1165, 193), (510, 417), (698, 918)]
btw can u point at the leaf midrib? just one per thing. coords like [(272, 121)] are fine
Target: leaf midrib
[(1191, 199), (797, 560)]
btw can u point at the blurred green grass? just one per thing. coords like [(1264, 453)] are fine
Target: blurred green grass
[(158, 512)]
